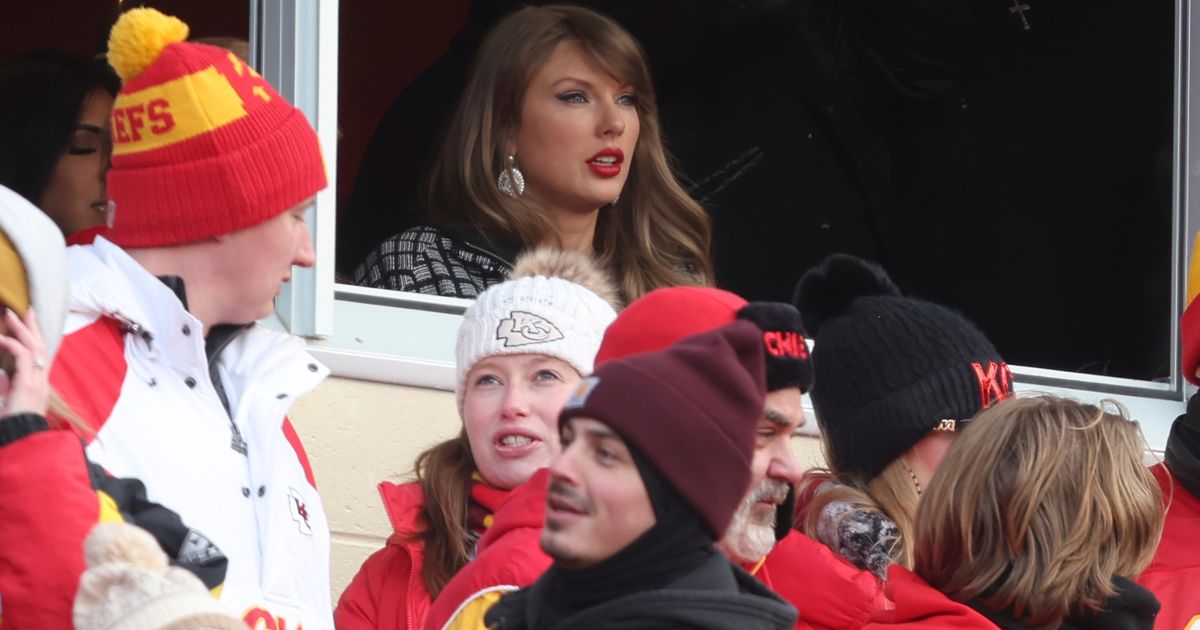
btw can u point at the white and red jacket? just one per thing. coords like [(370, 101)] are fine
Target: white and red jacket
[(133, 365)]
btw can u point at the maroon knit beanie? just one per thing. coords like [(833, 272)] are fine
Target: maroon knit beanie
[(691, 409)]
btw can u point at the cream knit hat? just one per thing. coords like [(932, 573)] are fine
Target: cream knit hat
[(129, 586), (556, 303)]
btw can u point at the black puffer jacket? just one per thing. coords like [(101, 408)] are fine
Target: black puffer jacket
[(1132, 608)]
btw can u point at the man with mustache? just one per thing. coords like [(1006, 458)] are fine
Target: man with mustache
[(761, 538), (656, 458), (764, 517)]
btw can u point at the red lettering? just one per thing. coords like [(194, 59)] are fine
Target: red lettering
[(785, 344), (995, 384), (118, 119), (134, 114), (262, 619), (159, 112), (259, 619)]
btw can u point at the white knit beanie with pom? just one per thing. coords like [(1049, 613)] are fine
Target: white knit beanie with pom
[(129, 586), (556, 304)]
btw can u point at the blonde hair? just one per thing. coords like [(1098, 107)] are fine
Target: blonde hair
[(1038, 505), (891, 493), (60, 415), (654, 236)]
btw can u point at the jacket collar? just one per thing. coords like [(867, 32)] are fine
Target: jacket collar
[(498, 246), (524, 507), (715, 595), (107, 282), (1183, 447), (405, 502), (1132, 608)]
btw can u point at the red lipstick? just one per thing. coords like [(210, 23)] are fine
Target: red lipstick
[(607, 162)]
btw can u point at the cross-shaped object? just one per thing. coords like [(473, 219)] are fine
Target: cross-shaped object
[(1019, 8)]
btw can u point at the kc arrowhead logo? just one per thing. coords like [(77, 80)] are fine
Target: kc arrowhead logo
[(299, 511), (521, 329)]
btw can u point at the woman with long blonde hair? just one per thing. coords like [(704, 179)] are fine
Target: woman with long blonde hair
[(555, 141), (1041, 516)]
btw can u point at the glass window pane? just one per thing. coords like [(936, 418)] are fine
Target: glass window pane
[(1012, 160)]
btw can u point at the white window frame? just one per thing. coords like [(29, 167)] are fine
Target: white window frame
[(408, 339)]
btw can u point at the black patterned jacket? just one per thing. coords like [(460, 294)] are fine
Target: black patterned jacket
[(436, 261)]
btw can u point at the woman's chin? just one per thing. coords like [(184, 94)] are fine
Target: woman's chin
[(512, 473)]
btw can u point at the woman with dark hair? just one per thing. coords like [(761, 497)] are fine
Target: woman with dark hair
[(54, 135), (555, 141)]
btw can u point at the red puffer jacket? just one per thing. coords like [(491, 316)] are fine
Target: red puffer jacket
[(509, 556), (1174, 574), (389, 592), (919, 605), (829, 591)]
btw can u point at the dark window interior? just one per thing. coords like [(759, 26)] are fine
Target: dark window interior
[(1013, 160), (1020, 175)]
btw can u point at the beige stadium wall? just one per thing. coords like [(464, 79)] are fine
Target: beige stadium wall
[(359, 433)]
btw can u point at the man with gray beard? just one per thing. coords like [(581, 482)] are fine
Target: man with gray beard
[(761, 537), (775, 469)]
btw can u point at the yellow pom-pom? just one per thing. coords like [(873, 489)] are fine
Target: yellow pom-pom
[(138, 37)]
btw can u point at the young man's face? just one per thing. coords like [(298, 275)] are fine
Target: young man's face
[(751, 534), (259, 259), (597, 504)]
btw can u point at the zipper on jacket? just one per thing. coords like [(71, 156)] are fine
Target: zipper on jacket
[(414, 573), (481, 250)]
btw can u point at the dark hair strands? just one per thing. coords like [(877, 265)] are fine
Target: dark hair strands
[(444, 472)]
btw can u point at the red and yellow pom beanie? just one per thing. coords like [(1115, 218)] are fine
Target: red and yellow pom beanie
[(1189, 325), (202, 144)]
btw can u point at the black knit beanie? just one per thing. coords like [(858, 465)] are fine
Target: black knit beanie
[(784, 344), (889, 369)]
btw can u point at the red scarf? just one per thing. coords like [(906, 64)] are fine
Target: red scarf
[(483, 503)]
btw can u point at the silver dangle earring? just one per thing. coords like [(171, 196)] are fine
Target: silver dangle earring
[(614, 201), (511, 181)]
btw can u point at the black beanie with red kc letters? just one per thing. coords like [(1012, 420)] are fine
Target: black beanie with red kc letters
[(691, 410), (889, 368)]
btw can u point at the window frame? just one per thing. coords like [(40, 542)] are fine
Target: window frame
[(408, 339)]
